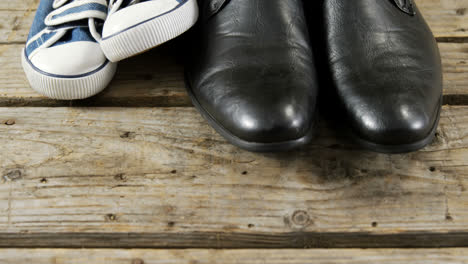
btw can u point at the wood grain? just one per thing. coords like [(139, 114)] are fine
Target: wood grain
[(162, 178), (447, 18), (18, 5), (455, 66), (329, 256), (143, 177)]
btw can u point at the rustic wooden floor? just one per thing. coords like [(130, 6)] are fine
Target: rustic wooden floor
[(135, 175)]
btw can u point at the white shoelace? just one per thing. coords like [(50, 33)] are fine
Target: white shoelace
[(91, 20)]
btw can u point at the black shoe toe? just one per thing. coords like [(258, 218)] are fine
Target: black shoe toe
[(394, 124)]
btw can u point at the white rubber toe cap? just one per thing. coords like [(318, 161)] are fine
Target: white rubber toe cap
[(70, 59), (135, 14)]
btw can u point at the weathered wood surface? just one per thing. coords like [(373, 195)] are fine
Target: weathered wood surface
[(141, 177), (162, 178), (147, 256), (156, 78), (19, 5), (455, 65), (447, 18)]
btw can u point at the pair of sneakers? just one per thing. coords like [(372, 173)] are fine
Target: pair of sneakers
[(73, 45)]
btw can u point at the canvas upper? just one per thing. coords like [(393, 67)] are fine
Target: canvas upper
[(63, 39)]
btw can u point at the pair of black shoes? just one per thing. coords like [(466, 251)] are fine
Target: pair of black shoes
[(253, 74)]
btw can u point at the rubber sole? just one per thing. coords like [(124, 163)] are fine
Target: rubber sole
[(151, 33), (400, 149), (248, 145), (68, 87)]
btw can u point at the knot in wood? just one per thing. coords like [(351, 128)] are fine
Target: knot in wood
[(300, 218), (120, 177), (13, 175), (10, 122), (111, 217), (137, 261), (129, 135)]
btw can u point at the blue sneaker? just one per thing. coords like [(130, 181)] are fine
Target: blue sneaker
[(134, 26), (63, 58)]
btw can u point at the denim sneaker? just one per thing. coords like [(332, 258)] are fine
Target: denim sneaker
[(63, 58), (134, 26)]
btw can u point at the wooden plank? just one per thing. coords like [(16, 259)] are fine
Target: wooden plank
[(18, 5), (157, 79), (15, 25), (455, 65), (147, 256), (145, 177), (16, 17), (447, 18)]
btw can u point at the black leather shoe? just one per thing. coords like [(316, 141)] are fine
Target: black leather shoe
[(386, 68), (252, 74)]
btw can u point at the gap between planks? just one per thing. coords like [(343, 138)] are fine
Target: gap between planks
[(225, 240)]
